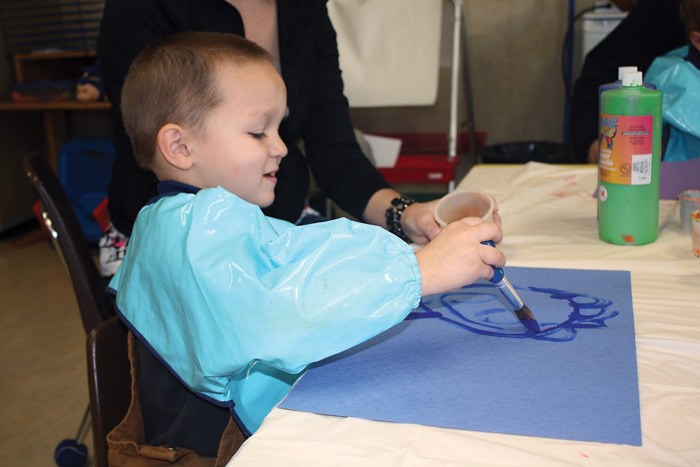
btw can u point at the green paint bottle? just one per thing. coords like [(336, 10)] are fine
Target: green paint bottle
[(629, 161)]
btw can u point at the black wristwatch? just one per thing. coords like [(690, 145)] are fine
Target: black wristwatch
[(393, 216)]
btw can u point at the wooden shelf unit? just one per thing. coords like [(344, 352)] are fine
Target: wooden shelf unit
[(52, 65), (49, 65)]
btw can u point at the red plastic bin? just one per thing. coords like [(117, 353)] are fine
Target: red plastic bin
[(424, 157)]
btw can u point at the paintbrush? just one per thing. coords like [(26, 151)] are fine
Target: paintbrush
[(524, 314)]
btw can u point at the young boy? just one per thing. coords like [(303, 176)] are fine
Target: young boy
[(237, 304), (677, 75)]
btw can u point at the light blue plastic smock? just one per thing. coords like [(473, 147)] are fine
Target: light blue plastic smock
[(238, 304), (679, 80)]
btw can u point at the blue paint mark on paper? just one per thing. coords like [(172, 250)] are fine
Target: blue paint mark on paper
[(462, 360), (473, 309)]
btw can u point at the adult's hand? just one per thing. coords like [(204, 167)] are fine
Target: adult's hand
[(418, 222), (593, 153)]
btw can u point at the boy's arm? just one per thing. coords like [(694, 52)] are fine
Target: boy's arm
[(216, 287)]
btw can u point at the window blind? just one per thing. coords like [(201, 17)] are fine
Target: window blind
[(38, 25)]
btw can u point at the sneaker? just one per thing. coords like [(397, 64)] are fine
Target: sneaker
[(112, 250)]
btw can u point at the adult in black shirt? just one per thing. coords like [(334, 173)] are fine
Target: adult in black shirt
[(652, 28), (318, 111)]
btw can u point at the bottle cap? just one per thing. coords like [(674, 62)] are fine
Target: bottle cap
[(625, 69), (632, 79)]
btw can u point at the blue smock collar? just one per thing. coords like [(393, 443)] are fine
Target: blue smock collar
[(171, 188)]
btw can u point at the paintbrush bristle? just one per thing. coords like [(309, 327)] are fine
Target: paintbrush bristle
[(527, 317)]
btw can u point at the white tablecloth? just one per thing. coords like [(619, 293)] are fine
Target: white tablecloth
[(549, 220)]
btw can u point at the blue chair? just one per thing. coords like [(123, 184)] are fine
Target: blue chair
[(84, 169)]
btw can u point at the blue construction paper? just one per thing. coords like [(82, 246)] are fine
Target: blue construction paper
[(462, 360)]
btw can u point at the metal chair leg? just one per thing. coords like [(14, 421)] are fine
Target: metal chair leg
[(72, 452)]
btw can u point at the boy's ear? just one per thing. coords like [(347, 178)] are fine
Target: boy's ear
[(171, 143)]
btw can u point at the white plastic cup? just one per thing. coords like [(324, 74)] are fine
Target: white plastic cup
[(695, 231), (690, 201), (460, 204)]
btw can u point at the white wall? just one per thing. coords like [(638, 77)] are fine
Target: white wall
[(515, 56)]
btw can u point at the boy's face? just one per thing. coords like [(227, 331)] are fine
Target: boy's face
[(239, 148)]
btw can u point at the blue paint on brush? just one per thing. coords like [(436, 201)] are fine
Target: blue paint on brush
[(523, 313)]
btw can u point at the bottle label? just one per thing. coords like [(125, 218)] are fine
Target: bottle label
[(625, 149)]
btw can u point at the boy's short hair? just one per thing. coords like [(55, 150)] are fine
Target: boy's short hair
[(690, 15), (173, 81)]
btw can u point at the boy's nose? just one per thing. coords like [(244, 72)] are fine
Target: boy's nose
[(278, 149)]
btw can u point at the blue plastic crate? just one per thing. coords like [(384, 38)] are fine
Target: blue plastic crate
[(84, 169)]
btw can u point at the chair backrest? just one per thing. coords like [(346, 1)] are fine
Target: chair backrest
[(109, 382), (62, 223)]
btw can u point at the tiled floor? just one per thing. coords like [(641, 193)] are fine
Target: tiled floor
[(43, 382)]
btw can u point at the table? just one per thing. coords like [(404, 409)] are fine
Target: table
[(549, 220)]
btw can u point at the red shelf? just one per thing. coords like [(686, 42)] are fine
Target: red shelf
[(424, 157), (421, 168)]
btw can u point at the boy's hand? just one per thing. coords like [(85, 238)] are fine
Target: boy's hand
[(456, 257)]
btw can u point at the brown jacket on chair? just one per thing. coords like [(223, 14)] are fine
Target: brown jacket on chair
[(127, 441)]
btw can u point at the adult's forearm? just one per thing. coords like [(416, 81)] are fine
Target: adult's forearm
[(375, 212)]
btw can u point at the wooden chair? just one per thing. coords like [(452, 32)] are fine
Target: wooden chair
[(60, 221), (109, 377)]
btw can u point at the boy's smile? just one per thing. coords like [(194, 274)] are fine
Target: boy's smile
[(239, 147)]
